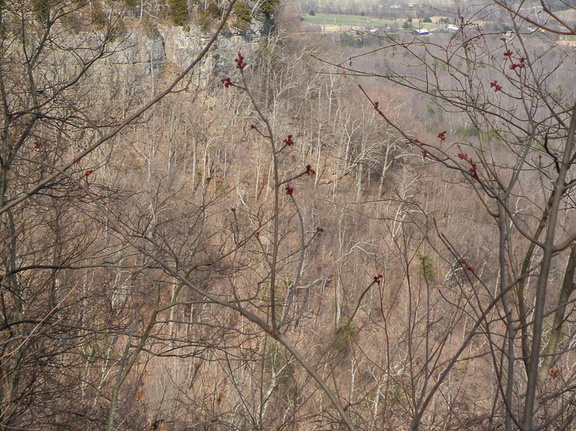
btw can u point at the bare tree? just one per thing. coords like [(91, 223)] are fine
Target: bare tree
[(511, 138), (288, 250), (60, 333)]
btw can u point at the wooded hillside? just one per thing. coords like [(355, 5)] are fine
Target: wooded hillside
[(214, 218)]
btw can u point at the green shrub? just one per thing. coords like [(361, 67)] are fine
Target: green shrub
[(268, 7), (344, 335), (150, 28), (214, 11), (241, 11), (243, 16), (427, 265), (41, 7), (204, 22), (207, 18), (467, 131), (178, 11)]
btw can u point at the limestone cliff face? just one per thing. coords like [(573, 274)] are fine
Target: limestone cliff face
[(143, 53), (181, 46)]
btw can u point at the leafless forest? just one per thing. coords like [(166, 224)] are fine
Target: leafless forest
[(288, 230)]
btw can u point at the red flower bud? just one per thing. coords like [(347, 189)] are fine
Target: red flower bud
[(289, 190), (473, 171), (227, 82), (240, 62), (319, 229), (495, 85), (88, 172), (37, 145), (442, 135), (309, 170), (289, 142)]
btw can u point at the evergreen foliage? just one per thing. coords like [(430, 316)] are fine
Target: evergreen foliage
[(178, 11), (243, 16)]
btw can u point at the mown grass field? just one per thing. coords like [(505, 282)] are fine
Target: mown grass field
[(346, 20), (337, 22)]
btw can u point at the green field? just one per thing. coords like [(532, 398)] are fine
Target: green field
[(346, 20)]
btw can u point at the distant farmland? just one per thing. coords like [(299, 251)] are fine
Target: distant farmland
[(347, 21), (338, 22)]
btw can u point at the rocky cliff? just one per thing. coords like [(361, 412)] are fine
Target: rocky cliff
[(144, 52)]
